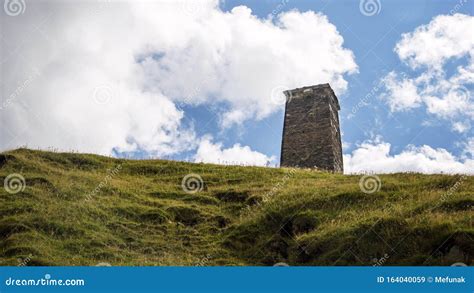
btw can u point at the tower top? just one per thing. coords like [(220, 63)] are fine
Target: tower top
[(308, 90)]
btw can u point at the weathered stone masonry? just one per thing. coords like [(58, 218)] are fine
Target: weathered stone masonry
[(311, 135)]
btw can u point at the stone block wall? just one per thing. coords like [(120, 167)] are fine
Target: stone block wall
[(311, 134)]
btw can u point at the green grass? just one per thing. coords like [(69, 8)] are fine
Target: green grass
[(80, 209)]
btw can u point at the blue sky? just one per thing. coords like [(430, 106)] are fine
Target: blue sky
[(195, 80)]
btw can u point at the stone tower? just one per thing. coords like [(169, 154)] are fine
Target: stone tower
[(311, 135)]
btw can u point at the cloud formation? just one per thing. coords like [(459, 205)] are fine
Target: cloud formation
[(209, 152), (239, 59), (430, 51), (374, 156)]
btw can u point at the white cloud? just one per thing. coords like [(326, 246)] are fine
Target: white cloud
[(238, 59), (468, 149), (401, 93), (428, 51), (159, 53), (461, 126), (87, 95), (374, 156), (209, 152), (445, 37)]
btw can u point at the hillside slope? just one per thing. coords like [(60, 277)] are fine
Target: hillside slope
[(78, 209)]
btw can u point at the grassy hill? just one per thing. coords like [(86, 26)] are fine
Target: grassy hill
[(78, 209)]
